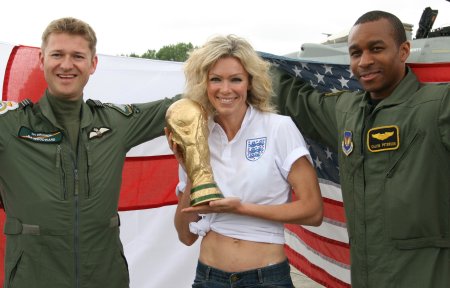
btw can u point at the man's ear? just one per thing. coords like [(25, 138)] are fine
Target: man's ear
[(41, 59), (404, 51)]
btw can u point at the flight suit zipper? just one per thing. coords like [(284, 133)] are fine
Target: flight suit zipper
[(77, 228), (75, 161)]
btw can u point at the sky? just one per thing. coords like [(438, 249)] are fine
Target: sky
[(135, 26)]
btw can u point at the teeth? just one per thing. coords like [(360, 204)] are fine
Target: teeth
[(225, 100), (66, 76)]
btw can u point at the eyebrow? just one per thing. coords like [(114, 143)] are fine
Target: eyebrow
[(370, 44), (233, 75)]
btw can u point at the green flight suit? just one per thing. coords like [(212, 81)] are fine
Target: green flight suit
[(395, 179), (62, 226)]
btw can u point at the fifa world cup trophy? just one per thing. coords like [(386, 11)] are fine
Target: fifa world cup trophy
[(187, 121)]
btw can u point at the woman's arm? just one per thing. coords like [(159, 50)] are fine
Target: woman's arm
[(182, 219), (307, 209)]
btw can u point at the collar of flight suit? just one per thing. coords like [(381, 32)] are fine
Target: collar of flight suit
[(405, 89), (86, 114)]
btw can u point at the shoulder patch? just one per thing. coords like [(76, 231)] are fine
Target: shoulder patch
[(125, 109), (24, 103), (6, 106), (338, 93), (95, 103)]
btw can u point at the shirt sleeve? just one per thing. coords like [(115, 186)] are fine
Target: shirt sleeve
[(145, 122), (182, 180), (291, 145)]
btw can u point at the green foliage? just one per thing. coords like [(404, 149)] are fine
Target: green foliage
[(150, 54), (133, 55), (178, 52)]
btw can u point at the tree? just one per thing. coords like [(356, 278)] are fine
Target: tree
[(150, 54), (178, 52), (133, 55)]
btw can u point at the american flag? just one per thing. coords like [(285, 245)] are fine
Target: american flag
[(323, 252)]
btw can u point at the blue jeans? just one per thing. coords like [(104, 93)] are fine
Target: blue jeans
[(277, 275)]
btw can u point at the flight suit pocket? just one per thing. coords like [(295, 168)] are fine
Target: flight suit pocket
[(11, 272), (349, 184), (426, 242), (14, 253), (415, 141), (412, 205), (61, 171)]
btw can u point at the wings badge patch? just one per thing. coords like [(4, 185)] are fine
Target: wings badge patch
[(98, 132), (383, 138)]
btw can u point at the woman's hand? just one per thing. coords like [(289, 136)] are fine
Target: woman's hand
[(226, 205)]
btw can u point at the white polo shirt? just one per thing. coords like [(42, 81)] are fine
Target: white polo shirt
[(254, 167)]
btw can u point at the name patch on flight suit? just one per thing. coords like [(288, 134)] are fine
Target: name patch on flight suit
[(383, 138), (40, 137)]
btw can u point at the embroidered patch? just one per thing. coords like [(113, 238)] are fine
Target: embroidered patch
[(40, 137), (255, 148), (6, 106), (383, 138), (98, 132), (347, 143), (125, 109)]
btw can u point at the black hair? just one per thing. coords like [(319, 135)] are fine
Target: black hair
[(397, 25)]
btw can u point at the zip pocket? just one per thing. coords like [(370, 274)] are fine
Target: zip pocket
[(88, 172), (410, 146), (62, 173), (12, 274)]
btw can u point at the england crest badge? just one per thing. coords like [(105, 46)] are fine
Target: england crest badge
[(255, 148), (347, 143)]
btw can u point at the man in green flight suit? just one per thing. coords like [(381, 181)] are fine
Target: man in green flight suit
[(61, 165), (394, 155)]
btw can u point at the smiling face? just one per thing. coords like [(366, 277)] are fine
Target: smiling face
[(376, 59), (227, 88), (67, 63)]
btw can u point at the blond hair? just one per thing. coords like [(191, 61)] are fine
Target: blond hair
[(201, 60), (71, 26)]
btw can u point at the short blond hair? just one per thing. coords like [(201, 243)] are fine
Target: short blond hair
[(71, 26)]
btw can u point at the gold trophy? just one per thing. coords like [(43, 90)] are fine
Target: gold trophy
[(187, 121)]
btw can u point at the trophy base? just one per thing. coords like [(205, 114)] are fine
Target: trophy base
[(205, 193)]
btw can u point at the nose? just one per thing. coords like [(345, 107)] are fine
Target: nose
[(225, 87), (66, 62), (365, 59)]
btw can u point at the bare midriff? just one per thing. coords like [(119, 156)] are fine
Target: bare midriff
[(236, 255)]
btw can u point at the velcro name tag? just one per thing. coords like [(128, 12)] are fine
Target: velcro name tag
[(383, 138), (40, 137)]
